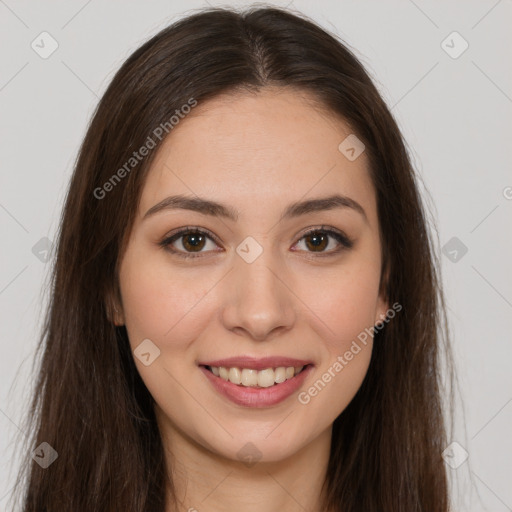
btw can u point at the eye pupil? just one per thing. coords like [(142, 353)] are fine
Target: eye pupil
[(197, 240), (319, 238)]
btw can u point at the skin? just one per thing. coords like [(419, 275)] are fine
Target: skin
[(256, 153)]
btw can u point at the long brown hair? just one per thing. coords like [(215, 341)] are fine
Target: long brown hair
[(89, 401)]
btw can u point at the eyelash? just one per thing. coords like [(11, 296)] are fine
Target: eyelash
[(343, 240)]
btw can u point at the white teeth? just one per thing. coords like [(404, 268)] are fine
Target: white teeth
[(249, 377), (235, 375), (254, 378), (266, 378), (280, 374)]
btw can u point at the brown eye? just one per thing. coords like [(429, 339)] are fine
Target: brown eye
[(318, 240), (193, 241)]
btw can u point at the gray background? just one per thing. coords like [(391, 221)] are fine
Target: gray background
[(455, 114)]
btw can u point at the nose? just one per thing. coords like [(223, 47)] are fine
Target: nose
[(259, 302)]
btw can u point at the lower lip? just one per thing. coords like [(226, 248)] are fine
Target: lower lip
[(257, 397)]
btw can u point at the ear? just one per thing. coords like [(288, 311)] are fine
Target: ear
[(383, 300), (381, 310), (114, 309)]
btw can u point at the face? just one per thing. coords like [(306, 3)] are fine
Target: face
[(272, 287)]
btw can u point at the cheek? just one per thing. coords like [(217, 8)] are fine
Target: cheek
[(336, 383), (346, 303), (348, 310), (160, 303), (168, 308)]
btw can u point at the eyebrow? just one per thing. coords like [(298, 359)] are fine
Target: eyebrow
[(208, 207)]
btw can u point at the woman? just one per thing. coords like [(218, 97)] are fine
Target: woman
[(245, 308)]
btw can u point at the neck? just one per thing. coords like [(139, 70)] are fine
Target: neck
[(205, 481)]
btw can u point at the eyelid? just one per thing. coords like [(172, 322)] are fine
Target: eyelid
[(344, 241), (193, 229), (171, 237), (328, 229)]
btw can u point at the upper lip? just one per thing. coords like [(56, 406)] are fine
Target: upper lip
[(256, 363)]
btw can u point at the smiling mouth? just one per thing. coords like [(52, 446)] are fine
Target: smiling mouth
[(250, 378)]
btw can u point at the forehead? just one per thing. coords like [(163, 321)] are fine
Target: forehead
[(257, 148)]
